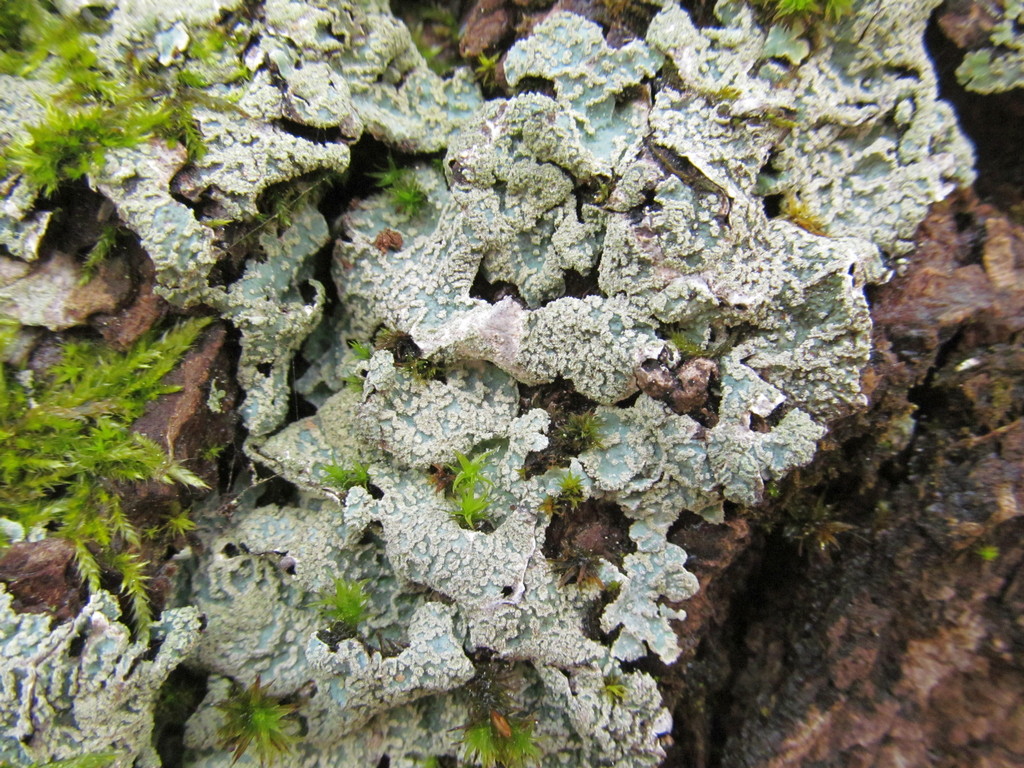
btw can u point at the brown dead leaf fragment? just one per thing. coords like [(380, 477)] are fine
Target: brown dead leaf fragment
[(193, 425), (124, 326), (684, 389), (968, 23), (182, 422), (388, 240)]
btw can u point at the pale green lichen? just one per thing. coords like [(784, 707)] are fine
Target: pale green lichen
[(657, 203), (369, 77), (999, 67), (245, 572), (85, 685), (268, 306), (868, 145)]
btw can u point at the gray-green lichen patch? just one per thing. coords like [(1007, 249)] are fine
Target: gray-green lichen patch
[(257, 582), (270, 306), (418, 423), (375, 80), (85, 685), (161, 29), (21, 229), (408, 734), (999, 66), (653, 460), (655, 572), (869, 146), (352, 675), (622, 730), (572, 233), (137, 181), (301, 450), (257, 587), (244, 157), (270, 97)]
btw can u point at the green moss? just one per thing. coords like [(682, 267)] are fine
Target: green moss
[(570, 495), (581, 432), (486, 69), (815, 528), (988, 553), (571, 489), (347, 604), (178, 524), (469, 488), (497, 740), (353, 381), (578, 566), (253, 717), (406, 195), (96, 109), (100, 252), (422, 368), (614, 689), (471, 509), (70, 144), (683, 340), (469, 473), (94, 760), (212, 452), (66, 443), (435, 33), (20, 21), (207, 45), (344, 479), (808, 9), (798, 212), (361, 350)]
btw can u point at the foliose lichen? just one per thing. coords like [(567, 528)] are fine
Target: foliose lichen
[(654, 198), (999, 66), (668, 239), (85, 685)]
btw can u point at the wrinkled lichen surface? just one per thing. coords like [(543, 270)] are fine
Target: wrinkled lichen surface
[(732, 187), (85, 685)]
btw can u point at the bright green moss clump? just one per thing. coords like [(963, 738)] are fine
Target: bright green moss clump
[(406, 194), (65, 444), (96, 109), (796, 9), (68, 145), (347, 604)]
